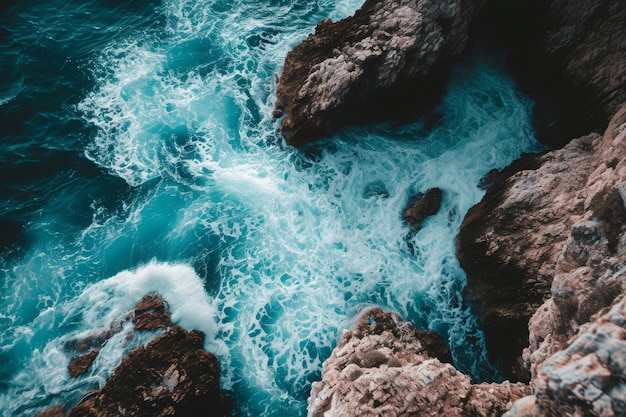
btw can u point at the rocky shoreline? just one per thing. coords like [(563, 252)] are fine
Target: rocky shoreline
[(544, 251)]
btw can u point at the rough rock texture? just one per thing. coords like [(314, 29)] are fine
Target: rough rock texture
[(568, 55), (382, 368), (422, 206), (171, 375), (81, 364), (588, 378), (151, 313), (559, 217), (586, 43), (390, 56)]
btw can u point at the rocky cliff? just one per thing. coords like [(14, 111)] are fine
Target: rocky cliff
[(544, 251), (384, 367), (389, 58)]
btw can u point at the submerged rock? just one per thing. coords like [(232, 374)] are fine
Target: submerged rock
[(422, 206), (391, 56), (383, 367)]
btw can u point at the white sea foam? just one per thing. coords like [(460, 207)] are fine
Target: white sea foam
[(105, 302), (290, 244)]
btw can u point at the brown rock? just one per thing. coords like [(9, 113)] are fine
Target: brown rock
[(151, 313), (80, 364), (389, 58), (171, 375), (173, 372), (587, 377), (422, 206)]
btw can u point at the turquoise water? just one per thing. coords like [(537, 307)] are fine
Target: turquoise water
[(139, 154)]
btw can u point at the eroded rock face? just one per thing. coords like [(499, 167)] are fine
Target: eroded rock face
[(382, 368), (554, 228), (586, 378), (586, 42), (390, 56)]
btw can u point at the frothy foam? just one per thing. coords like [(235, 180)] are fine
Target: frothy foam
[(290, 245), (44, 373)]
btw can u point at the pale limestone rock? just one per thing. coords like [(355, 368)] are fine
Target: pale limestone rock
[(586, 378), (382, 368)]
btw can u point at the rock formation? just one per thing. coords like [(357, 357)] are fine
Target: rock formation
[(389, 57), (585, 43), (544, 251), (588, 378), (421, 206), (383, 368), (558, 218), (171, 375), (568, 55)]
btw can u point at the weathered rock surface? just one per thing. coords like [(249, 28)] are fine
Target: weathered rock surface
[(558, 218), (390, 56), (421, 206), (586, 43), (588, 378), (171, 375), (382, 368)]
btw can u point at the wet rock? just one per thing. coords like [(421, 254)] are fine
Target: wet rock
[(390, 57), (383, 367), (152, 313), (80, 364), (172, 375), (421, 206)]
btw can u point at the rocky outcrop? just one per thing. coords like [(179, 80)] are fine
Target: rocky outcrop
[(390, 60), (171, 375), (558, 214), (151, 313), (383, 368), (586, 44), (421, 206), (389, 57), (568, 55), (588, 378)]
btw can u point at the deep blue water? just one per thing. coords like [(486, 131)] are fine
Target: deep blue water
[(139, 154)]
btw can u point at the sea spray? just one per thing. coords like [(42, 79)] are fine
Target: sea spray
[(269, 250)]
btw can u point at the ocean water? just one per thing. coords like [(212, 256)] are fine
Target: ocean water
[(139, 154)]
